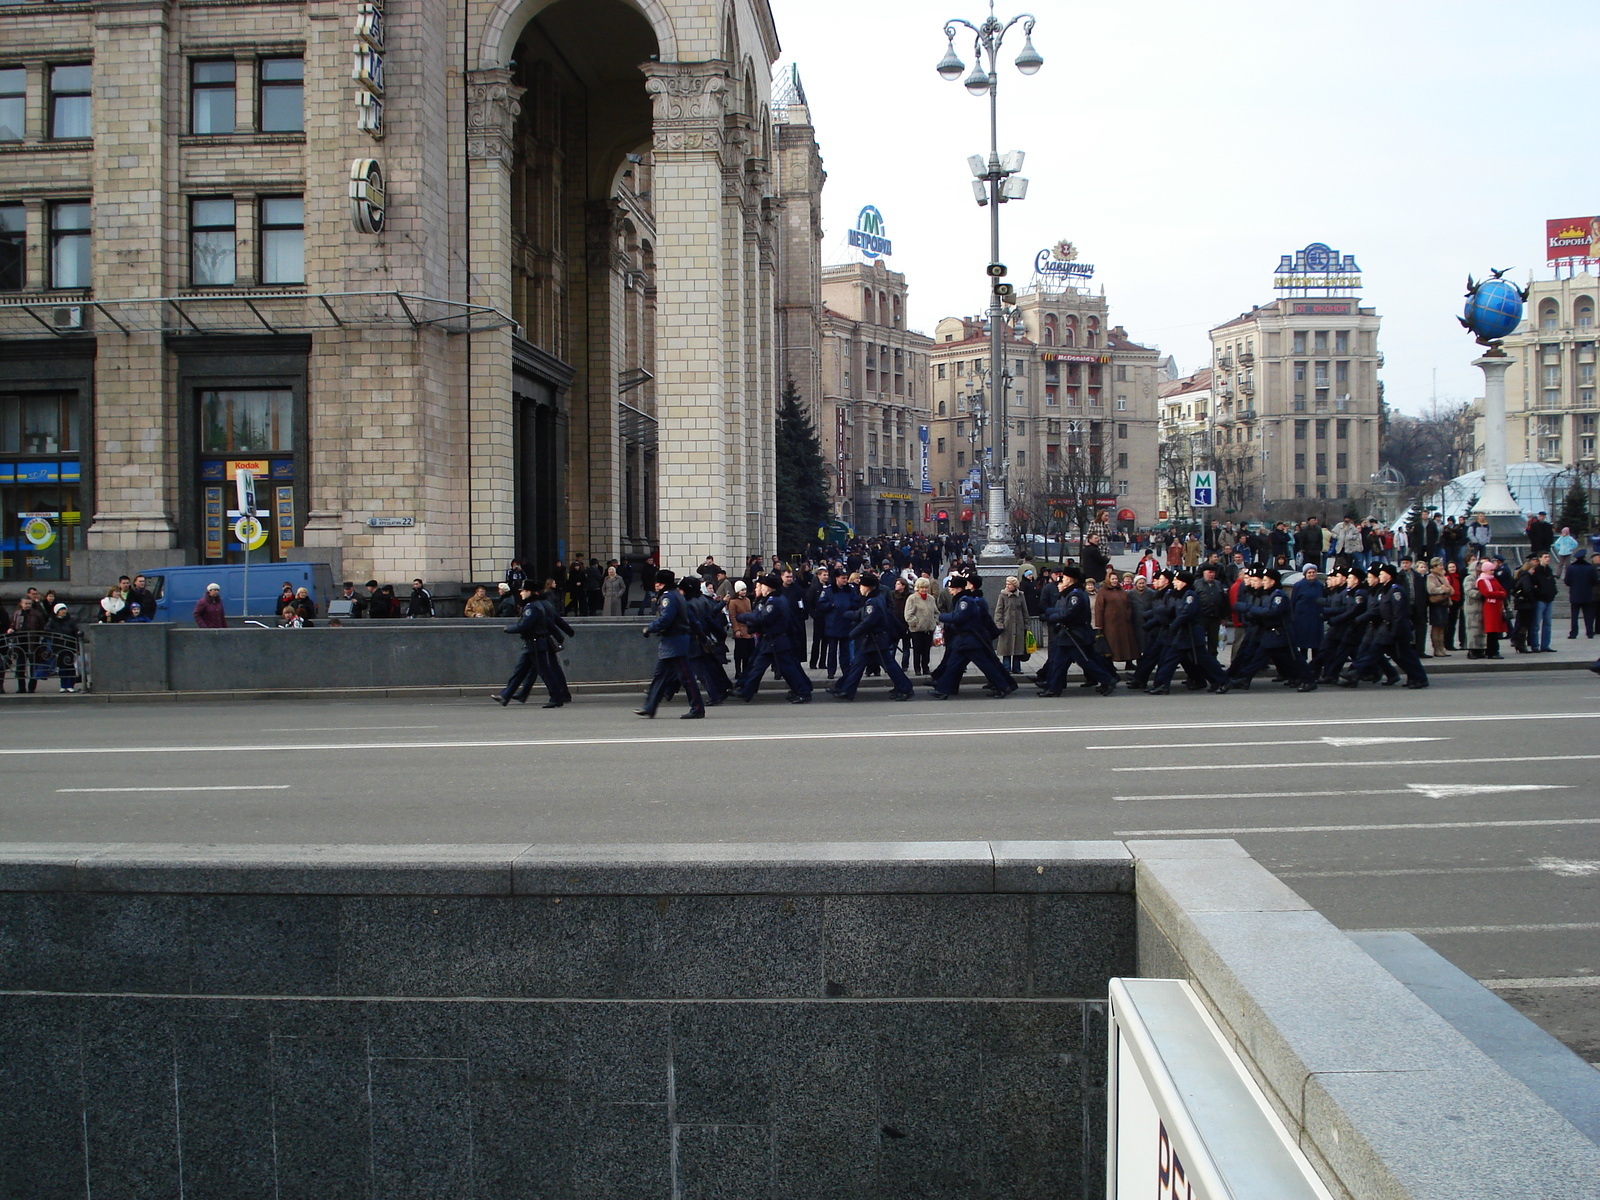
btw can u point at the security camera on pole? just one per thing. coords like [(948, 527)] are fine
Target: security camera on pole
[(995, 181)]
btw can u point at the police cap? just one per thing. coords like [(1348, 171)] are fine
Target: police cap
[(868, 579), (665, 576)]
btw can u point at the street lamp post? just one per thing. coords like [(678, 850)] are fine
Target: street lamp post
[(995, 181)]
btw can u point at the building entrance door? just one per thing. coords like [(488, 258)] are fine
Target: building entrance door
[(247, 429)]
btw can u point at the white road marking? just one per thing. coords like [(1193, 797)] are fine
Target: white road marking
[(843, 735), (1400, 871), (214, 787), (339, 728), (1340, 742), (1388, 763), (1556, 981), (1269, 795), (1127, 833), (1445, 791), (1443, 930), (1346, 742), (1568, 867)]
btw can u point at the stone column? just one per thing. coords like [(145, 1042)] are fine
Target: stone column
[(1496, 502), (493, 104), (691, 277), (595, 444), (136, 457)]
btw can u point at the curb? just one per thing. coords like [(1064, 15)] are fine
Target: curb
[(609, 688)]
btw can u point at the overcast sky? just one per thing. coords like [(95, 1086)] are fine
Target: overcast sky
[(1185, 144)]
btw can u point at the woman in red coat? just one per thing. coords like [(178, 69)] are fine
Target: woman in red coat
[(1494, 607)]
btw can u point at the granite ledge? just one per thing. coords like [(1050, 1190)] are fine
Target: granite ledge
[(505, 869)]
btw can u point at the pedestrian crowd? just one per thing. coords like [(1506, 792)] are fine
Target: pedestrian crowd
[(883, 607)]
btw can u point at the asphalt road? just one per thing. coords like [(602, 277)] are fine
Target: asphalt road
[(1468, 813)]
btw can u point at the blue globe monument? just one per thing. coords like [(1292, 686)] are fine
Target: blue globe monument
[(1493, 311)]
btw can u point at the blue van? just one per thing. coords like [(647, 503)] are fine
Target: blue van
[(178, 589)]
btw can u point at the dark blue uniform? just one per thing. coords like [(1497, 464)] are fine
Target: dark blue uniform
[(838, 605), (1185, 643), (1268, 613), (537, 628), (1156, 621), (675, 628), (969, 633), (874, 639), (769, 621), (1391, 637), (1071, 621)]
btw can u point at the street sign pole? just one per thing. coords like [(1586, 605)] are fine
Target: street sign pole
[(245, 485)]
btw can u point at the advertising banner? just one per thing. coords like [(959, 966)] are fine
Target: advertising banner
[(1571, 237), (922, 436), (841, 431)]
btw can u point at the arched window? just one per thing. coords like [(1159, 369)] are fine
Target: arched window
[(867, 313), (1548, 315), (1091, 336), (1047, 335), (1583, 311), (899, 317), (941, 408), (1069, 334), (883, 308)]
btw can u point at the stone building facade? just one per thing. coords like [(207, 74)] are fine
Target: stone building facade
[(1297, 402), (1188, 415), (875, 399), (1551, 412), (499, 275), (1080, 407)]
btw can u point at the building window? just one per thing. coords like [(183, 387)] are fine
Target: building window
[(1552, 377), (1322, 464), (1094, 397), (211, 242), (1300, 430), (1022, 458), (941, 445), (283, 240), (1587, 445), (70, 109), (1122, 462), (1122, 487), (1344, 430), (961, 428), (69, 244), (1122, 373), (1299, 491), (247, 422), (211, 90), (1341, 460), (1052, 455), (961, 458), (1122, 429), (13, 246), (1341, 342), (1300, 342), (1321, 342), (13, 103), (941, 408), (282, 95), (941, 370), (1300, 460)]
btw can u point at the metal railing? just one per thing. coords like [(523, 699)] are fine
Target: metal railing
[(31, 657)]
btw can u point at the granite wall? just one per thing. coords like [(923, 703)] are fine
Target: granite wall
[(499, 1021), (177, 658)]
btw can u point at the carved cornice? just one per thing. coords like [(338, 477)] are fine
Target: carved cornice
[(493, 105), (689, 103)]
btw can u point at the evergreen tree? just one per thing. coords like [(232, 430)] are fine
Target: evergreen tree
[(1575, 510), (802, 486)]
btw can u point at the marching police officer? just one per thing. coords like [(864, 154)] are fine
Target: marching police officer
[(1185, 642), (676, 631), (1268, 612), (1156, 621), (1071, 621), (769, 621), (536, 627), (969, 638), (709, 648), (874, 641)]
